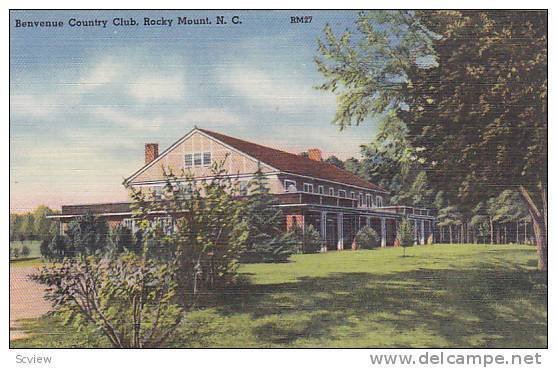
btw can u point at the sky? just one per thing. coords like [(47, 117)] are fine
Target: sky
[(85, 100)]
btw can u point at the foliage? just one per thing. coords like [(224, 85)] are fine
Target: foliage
[(333, 160), (204, 229), (267, 242), (128, 297), (123, 240), (297, 304), (58, 248), (367, 238), (88, 235), (475, 107), (25, 251), (306, 239), (405, 234), (32, 225)]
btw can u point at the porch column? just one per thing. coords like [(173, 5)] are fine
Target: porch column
[(368, 221), (430, 222), (324, 231), (383, 233), (340, 230), (415, 232), (422, 232)]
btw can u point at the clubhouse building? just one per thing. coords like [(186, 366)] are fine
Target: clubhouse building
[(309, 190)]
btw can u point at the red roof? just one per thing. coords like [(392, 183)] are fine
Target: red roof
[(294, 164)]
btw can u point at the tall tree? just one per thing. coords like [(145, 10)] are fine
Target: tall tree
[(266, 242), (471, 87)]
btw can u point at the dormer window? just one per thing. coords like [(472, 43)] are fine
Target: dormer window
[(290, 186), (379, 201), (308, 188), (320, 189)]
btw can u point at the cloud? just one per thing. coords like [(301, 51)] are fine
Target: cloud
[(276, 90), (156, 87), (126, 119)]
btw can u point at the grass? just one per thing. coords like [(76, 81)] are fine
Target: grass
[(438, 296), (33, 245)]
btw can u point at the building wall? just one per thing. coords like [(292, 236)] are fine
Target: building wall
[(235, 163)]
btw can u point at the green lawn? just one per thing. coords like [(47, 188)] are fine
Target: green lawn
[(33, 245), (438, 296)]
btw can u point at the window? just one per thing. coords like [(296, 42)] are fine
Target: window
[(188, 160), (308, 188), (320, 189), (379, 201), (342, 193), (352, 195), (361, 199), (332, 191), (369, 200), (206, 158), (290, 186), (197, 159)]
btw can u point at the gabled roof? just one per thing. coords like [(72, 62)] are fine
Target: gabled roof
[(294, 164)]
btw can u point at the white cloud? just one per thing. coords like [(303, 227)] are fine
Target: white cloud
[(275, 90), (157, 87), (102, 73), (127, 120)]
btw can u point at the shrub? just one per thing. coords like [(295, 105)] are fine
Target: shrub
[(306, 239), (405, 234), (123, 240), (208, 237), (367, 238), (59, 247), (266, 241), (14, 252), (25, 251), (88, 234), (129, 298)]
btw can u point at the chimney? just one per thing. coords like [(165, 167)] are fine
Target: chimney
[(151, 152), (314, 154)]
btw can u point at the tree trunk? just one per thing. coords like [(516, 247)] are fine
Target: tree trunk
[(539, 223), (491, 230), (505, 234), (517, 231), (525, 232)]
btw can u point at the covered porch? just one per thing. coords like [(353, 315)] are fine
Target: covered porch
[(338, 226)]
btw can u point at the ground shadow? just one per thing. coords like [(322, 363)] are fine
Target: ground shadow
[(485, 306)]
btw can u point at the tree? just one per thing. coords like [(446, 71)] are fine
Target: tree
[(405, 234), (131, 299), (333, 160), (267, 242), (27, 227), (43, 225), (471, 87), (25, 251), (203, 228), (88, 235)]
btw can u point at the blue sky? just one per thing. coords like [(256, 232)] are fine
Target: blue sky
[(85, 100)]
